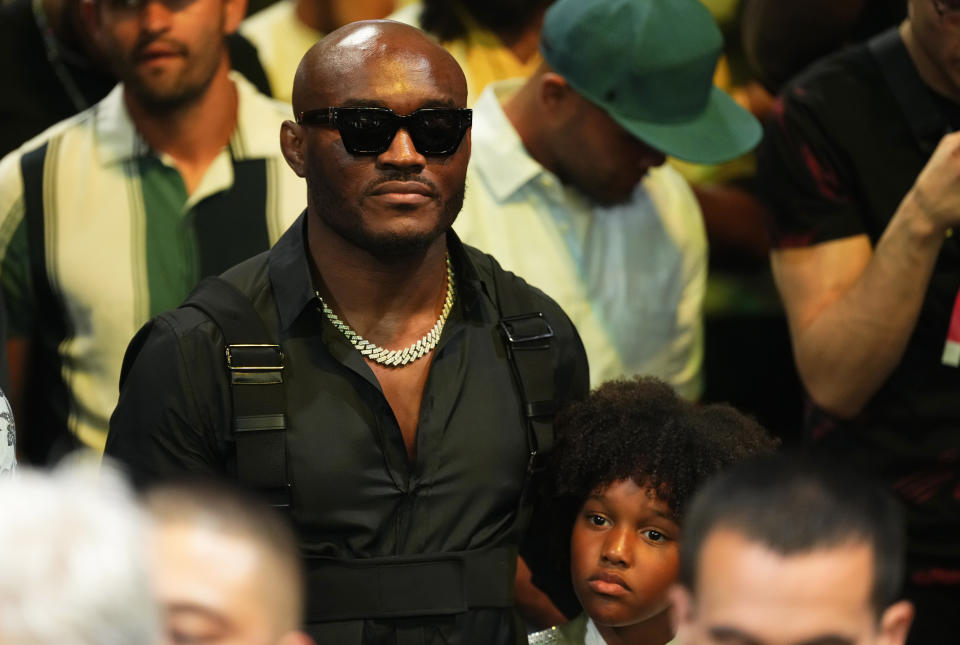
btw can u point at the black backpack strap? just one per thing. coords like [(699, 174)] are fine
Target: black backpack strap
[(255, 364), (531, 349), (927, 121)]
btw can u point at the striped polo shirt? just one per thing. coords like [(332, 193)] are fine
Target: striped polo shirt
[(98, 235)]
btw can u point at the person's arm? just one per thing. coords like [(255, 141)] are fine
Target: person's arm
[(173, 414), (533, 603), (851, 308)]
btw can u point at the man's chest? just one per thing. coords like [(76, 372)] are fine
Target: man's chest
[(349, 463)]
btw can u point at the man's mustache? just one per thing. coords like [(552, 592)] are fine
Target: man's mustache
[(168, 44)]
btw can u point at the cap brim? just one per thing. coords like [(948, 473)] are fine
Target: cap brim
[(722, 132)]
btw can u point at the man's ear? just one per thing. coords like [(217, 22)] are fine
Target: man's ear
[(681, 606), (291, 144), (554, 91), (895, 623), (234, 12)]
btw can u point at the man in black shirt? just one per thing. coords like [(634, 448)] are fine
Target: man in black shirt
[(864, 185), (407, 465)]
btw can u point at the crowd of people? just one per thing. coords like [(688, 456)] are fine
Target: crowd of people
[(322, 327)]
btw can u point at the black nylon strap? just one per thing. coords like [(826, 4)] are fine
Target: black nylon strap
[(528, 340), (255, 364), (927, 122), (406, 586)]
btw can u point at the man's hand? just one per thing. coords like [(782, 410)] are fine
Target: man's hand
[(935, 196), (852, 308)]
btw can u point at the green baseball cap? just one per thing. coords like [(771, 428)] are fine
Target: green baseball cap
[(649, 64)]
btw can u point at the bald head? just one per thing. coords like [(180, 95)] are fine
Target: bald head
[(373, 56)]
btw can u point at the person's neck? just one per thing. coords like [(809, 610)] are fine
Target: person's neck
[(931, 74), (656, 630), (527, 119), (388, 300), (192, 134)]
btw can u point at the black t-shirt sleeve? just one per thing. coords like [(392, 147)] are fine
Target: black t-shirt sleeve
[(805, 176), (169, 421)]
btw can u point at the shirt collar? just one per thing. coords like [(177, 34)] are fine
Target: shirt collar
[(499, 156), (294, 291), (117, 138)]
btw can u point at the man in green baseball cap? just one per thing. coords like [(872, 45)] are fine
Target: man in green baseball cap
[(567, 185)]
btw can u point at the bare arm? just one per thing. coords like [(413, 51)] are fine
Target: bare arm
[(852, 309), (534, 605)]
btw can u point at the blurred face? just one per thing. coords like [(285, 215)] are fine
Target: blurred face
[(599, 157), (935, 27), (166, 52), (213, 588), (749, 595), (623, 554), (401, 200)]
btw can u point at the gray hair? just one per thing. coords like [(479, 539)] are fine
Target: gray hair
[(73, 561)]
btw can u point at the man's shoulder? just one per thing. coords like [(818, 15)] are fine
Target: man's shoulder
[(250, 277), (11, 177), (54, 132), (513, 286), (514, 296), (189, 326), (842, 80)]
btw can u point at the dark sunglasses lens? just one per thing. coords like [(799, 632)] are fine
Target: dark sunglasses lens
[(437, 132), (366, 131)]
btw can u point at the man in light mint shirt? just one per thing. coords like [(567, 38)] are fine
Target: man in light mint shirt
[(567, 186)]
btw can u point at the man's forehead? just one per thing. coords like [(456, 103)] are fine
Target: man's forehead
[(381, 65), (742, 585)]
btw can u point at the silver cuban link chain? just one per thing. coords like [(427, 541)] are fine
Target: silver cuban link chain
[(396, 357)]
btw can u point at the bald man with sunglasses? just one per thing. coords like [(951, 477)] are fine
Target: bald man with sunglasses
[(403, 387), (860, 166)]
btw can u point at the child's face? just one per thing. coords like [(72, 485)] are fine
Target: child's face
[(623, 554)]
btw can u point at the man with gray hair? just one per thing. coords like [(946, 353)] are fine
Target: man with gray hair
[(73, 560)]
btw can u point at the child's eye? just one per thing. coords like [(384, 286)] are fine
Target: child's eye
[(596, 520), (654, 536)]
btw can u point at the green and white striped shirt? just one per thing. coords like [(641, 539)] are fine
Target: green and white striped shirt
[(98, 234)]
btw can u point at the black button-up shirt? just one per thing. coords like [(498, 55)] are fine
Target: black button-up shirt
[(355, 493)]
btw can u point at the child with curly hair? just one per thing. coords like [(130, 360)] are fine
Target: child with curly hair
[(628, 459)]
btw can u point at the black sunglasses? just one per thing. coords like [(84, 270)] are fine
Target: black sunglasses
[(370, 130)]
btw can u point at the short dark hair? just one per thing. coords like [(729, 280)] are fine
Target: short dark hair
[(441, 18), (641, 429), (798, 504)]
